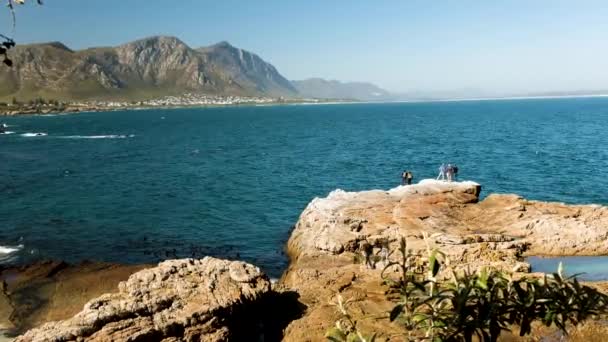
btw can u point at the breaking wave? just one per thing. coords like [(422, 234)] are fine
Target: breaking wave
[(39, 134), (8, 252), (111, 136)]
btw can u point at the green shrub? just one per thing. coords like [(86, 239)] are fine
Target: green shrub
[(465, 305)]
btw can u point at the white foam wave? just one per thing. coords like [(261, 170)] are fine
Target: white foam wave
[(7, 253), (7, 133), (10, 250), (111, 136), (39, 134)]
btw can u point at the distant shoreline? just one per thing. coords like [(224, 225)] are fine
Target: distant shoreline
[(508, 98), (74, 109)]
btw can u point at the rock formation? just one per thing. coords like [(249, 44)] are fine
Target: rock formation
[(326, 247), (49, 291), (339, 246), (179, 300)]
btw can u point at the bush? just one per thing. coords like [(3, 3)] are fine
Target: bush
[(479, 304)]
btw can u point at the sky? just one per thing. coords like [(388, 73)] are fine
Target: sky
[(451, 46)]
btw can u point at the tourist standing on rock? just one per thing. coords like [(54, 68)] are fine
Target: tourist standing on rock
[(442, 172), (406, 177), (449, 172), (454, 171)]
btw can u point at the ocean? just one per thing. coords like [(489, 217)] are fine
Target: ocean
[(143, 186)]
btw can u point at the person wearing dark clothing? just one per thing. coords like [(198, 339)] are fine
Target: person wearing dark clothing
[(406, 178), (409, 177)]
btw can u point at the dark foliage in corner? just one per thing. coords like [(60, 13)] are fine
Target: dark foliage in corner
[(8, 42)]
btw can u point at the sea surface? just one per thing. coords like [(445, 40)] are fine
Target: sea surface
[(590, 268), (142, 186)]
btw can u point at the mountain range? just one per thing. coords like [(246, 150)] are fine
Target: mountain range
[(155, 67), (324, 89)]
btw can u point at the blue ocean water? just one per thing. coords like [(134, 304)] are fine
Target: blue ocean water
[(140, 186)]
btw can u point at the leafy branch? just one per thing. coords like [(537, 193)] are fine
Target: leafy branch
[(482, 304), (467, 306), (345, 329), (8, 42)]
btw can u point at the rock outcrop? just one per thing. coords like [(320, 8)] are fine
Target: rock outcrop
[(48, 291), (179, 300), (339, 246), (327, 246)]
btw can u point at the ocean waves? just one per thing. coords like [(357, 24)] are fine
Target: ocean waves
[(8, 253), (111, 136), (29, 134)]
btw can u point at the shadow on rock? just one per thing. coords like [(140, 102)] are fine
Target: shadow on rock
[(274, 313)]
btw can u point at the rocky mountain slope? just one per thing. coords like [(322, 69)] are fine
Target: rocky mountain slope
[(150, 67), (324, 89)]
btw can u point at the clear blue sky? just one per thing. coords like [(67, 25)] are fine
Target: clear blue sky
[(459, 45)]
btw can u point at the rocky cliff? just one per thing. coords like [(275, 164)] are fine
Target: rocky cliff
[(146, 68), (220, 300), (331, 233), (179, 300)]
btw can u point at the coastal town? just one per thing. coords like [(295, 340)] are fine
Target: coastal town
[(51, 106)]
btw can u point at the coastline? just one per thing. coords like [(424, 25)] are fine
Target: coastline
[(499, 231), (74, 109), (41, 111)]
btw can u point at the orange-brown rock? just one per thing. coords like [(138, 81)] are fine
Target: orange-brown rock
[(48, 291), (180, 300), (332, 234)]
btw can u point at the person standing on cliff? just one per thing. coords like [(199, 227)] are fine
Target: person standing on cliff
[(449, 172), (406, 177), (409, 176), (442, 172)]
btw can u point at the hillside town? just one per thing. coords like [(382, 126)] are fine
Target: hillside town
[(51, 106)]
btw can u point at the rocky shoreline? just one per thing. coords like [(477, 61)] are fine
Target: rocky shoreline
[(204, 299), (73, 109)]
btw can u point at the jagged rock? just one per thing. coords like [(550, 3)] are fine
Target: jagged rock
[(474, 238), (495, 232), (181, 300)]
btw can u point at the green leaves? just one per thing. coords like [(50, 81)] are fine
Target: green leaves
[(480, 305), (335, 335), (395, 312), (434, 264), (472, 305)]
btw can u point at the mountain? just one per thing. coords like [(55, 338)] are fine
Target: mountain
[(247, 69), (142, 69), (324, 89)]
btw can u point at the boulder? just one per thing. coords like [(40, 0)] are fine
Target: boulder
[(339, 244), (179, 300)]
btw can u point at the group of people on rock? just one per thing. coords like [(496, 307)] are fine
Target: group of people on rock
[(447, 172)]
